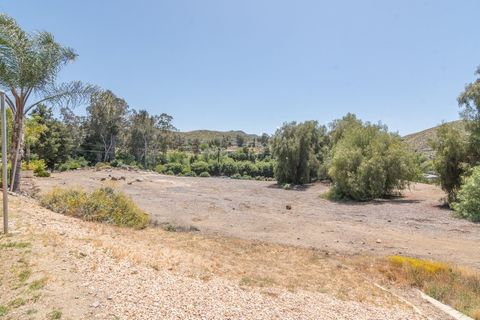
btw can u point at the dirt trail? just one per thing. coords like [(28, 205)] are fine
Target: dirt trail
[(413, 225)]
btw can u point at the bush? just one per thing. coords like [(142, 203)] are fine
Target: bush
[(246, 177), (190, 174), (200, 166), (116, 163), (229, 167), (38, 167), (247, 168), (174, 167), (204, 174), (266, 168), (236, 176), (102, 205), (160, 168), (468, 198), (102, 165), (73, 164), (368, 162), (299, 150)]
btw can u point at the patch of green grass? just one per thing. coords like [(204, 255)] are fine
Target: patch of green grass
[(24, 275), (16, 245), (3, 310), (31, 311), (54, 315), (18, 302), (38, 284)]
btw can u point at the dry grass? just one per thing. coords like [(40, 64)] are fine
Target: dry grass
[(452, 285), (248, 263)]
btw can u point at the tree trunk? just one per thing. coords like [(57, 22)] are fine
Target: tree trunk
[(17, 144)]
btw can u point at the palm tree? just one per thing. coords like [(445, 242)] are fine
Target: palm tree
[(29, 65)]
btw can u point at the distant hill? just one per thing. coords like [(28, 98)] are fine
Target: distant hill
[(208, 135), (419, 141)]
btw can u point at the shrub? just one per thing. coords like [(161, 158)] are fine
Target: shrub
[(246, 177), (468, 199), (247, 168), (160, 168), (368, 162), (229, 167), (170, 173), (38, 166), (199, 166), (102, 205), (116, 163), (236, 176), (190, 174), (266, 168), (204, 174), (177, 156), (73, 164), (299, 150), (214, 167), (102, 165), (174, 167)]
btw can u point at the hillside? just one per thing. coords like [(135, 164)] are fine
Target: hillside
[(208, 135), (420, 141)]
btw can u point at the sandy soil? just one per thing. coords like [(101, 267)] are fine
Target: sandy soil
[(413, 225), (58, 267)]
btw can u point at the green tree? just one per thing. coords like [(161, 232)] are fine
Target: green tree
[(469, 101), (105, 121), (368, 162), (240, 140), (451, 158), (300, 151), (53, 145), (29, 65), (468, 199)]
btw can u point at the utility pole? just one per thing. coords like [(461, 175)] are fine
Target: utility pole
[(4, 161)]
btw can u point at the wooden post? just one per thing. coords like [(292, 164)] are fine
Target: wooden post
[(4, 161)]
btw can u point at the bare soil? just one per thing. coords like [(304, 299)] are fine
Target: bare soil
[(58, 267), (414, 224)]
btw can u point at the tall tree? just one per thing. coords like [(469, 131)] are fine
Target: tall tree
[(106, 118), (54, 145), (469, 101), (141, 134), (29, 65)]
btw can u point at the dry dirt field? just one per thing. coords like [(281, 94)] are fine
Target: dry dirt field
[(413, 225), (58, 267)]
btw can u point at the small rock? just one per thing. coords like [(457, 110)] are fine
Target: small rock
[(389, 220), (130, 182), (96, 304), (288, 207), (378, 241), (103, 179), (139, 180)]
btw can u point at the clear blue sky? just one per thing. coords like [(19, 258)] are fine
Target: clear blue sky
[(253, 64)]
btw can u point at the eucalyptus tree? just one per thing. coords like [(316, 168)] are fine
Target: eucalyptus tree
[(106, 119), (29, 66), (469, 101)]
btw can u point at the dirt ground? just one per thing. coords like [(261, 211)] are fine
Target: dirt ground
[(413, 225), (58, 267)]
